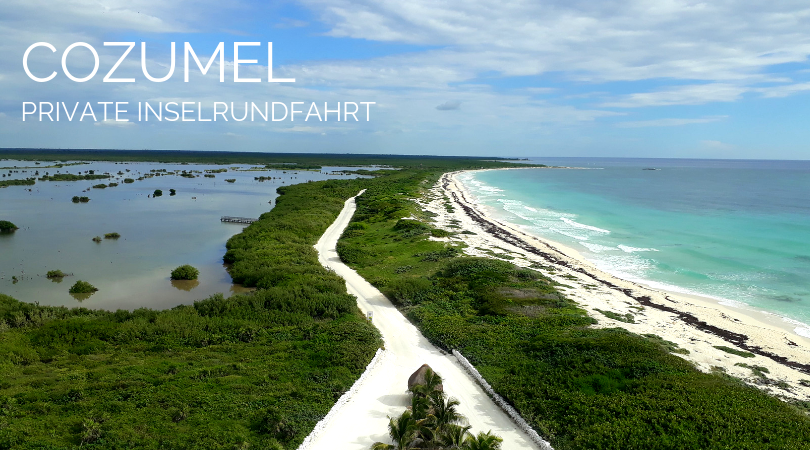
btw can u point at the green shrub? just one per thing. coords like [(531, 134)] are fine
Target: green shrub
[(7, 227), (99, 186), (626, 318), (172, 192), (734, 351), (128, 180), (82, 287), (157, 193), (231, 180), (55, 274), (112, 236), (97, 239), (185, 272)]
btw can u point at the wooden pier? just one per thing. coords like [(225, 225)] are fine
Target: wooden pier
[(231, 219)]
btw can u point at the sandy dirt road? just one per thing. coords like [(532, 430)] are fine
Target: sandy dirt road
[(364, 419)]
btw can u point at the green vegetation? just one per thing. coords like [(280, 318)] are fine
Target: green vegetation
[(260, 370), (580, 387), (55, 274), (185, 272), (668, 345), (231, 180), (71, 177), (128, 180), (112, 236), (97, 239), (82, 287), (734, 351), (26, 182), (99, 186), (172, 192), (253, 371), (112, 185), (758, 371), (157, 193), (40, 166), (77, 199), (7, 227), (433, 422), (626, 318)]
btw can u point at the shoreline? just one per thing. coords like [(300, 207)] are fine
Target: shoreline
[(695, 323), (772, 319)]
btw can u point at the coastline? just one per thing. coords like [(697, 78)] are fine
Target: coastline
[(695, 323)]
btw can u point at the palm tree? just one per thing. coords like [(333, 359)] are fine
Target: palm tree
[(453, 436), (402, 431), (445, 411), (420, 407), (484, 441)]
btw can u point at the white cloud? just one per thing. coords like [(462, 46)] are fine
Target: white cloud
[(784, 90), (114, 123), (668, 122), (612, 40), (694, 94)]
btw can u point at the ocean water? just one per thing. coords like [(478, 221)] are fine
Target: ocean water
[(738, 231)]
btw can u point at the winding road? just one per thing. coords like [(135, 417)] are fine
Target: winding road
[(363, 420)]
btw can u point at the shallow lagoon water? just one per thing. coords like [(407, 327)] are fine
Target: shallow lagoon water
[(157, 234)]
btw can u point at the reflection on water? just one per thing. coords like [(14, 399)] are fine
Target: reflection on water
[(239, 289), (185, 285), (157, 234), (82, 297)]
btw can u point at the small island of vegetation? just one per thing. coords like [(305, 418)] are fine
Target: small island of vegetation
[(26, 182), (55, 274), (71, 177), (112, 236), (7, 227), (77, 199), (82, 287), (157, 193), (185, 272)]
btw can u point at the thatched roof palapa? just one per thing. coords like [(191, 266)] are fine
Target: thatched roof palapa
[(420, 377)]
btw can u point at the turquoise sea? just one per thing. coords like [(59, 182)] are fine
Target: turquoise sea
[(734, 230)]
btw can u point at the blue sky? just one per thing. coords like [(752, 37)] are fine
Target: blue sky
[(658, 78)]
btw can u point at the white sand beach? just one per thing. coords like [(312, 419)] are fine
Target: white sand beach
[(362, 419), (694, 323)]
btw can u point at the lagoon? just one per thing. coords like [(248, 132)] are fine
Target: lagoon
[(157, 234)]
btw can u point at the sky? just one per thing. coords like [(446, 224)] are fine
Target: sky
[(633, 78)]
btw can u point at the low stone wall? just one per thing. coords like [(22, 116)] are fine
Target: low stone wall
[(506, 407), (341, 401)]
